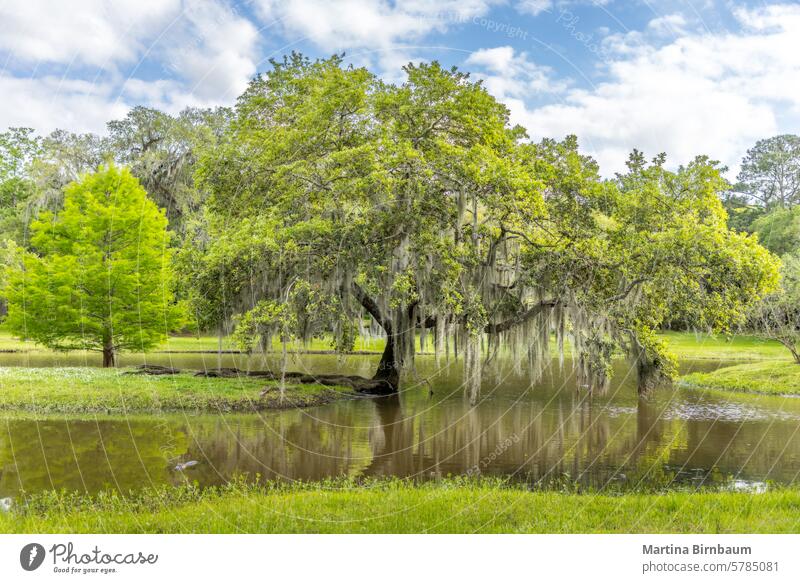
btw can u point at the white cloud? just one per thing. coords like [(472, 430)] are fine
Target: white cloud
[(669, 24), (366, 24), (513, 78), (48, 103), (215, 51), (534, 7), (509, 74), (87, 32), (206, 50), (702, 93)]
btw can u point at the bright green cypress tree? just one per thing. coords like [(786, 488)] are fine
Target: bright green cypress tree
[(100, 275)]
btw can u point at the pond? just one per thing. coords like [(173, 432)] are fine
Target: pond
[(551, 433)]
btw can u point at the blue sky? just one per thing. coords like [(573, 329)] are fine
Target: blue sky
[(687, 78)]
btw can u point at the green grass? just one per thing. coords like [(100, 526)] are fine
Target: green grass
[(94, 390), (683, 344), (738, 347), (398, 507), (768, 378)]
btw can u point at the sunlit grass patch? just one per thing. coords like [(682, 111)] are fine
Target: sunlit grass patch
[(720, 347), (402, 507)]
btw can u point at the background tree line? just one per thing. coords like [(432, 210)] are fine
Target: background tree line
[(765, 201)]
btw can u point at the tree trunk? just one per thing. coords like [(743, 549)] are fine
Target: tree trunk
[(790, 346), (648, 376), (220, 334), (388, 371), (387, 367), (108, 355)]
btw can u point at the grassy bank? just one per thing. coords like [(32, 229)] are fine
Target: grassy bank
[(93, 390), (768, 378), (395, 507)]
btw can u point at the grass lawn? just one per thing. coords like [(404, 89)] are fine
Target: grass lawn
[(683, 344), (769, 378), (397, 507), (96, 390), (739, 347)]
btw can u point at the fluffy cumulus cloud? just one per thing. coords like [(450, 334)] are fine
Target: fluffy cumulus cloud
[(513, 78), (82, 32), (199, 52), (366, 24), (700, 93), (47, 103), (215, 50)]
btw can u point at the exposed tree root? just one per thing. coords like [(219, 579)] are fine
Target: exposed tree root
[(357, 383)]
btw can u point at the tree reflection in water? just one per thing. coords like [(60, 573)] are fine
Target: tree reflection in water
[(551, 434)]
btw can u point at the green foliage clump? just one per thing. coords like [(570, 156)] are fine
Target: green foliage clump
[(779, 230), (777, 316)]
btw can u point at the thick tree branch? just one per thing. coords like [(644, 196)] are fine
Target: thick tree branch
[(519, 318), (372, 307), (430, 321), (624, 294)]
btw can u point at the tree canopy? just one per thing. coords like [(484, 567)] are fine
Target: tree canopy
[(770, 172), (779, 230), (419, 210), (99, 276)]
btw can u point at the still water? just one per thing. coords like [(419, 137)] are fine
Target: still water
[(550, 433)]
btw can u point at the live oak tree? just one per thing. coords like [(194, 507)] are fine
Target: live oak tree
[(62, 158), (211, 281), (160, 150), (419, 212), (99, 276), (678, 257)]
